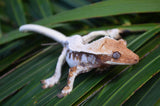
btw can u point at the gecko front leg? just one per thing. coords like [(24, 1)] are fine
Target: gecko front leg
[(73, 72), (55, 78)]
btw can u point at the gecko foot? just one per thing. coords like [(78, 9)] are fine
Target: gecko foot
[(60, 95), (48, 83), (66, 90)]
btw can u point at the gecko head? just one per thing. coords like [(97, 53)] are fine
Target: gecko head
[(119, 53)]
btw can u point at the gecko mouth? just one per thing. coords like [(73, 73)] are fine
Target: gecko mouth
[(127, 63), (115, 63)]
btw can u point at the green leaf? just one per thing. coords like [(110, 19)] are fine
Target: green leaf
[(145, 37), (143, 91), (0, 30), (19, 47), (105, 8), (39, 8), (24, 73), (133, 27), (100, 9), (76, 3), (127, 85), (152, 95), (15, 10)]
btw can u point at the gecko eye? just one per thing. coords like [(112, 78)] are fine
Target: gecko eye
[(116, 55)]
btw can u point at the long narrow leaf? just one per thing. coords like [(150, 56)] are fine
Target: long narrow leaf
[(143, 38), (15, 10), (143, 91), (153, 95), (23, 74), (8, 57), (39, 8), (105, 8), (0, 30)]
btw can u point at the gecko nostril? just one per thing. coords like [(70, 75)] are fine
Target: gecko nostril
[(136, 60)]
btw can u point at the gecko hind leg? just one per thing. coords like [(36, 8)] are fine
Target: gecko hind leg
[(73, 72)]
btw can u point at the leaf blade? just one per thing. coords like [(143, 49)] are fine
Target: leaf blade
[(101, 9)]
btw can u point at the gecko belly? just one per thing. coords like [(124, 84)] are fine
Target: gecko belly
[(78, 58)]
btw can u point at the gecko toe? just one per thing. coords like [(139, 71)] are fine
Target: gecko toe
[(42, 81), (60, 95), (44, 87), (50, 86), (44, 84)]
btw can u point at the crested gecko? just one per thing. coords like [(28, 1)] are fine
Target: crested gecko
[(82, 55)]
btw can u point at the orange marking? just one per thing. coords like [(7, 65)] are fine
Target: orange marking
[(72, 70), (73, 55), (77, 57), (70, 55), (66, 88), (68, 82)]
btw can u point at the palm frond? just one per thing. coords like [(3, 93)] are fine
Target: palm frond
[(24, 62)]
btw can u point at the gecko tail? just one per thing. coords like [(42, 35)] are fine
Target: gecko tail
[(51, 33)]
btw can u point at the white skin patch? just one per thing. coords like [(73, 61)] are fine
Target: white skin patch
[(81, 55), (92, 59), (71, 62), (84, 59)]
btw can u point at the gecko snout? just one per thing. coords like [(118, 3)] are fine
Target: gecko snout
[(136, 59)]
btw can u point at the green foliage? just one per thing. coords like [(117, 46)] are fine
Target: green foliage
[(15, 11), (24, 62)]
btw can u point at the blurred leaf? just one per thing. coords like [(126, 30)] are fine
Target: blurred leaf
[(39, 8), (133, 27), (76, 3), (15, 11), (22, 69), (104, 8), (0, 30), (8, 54), (157, 103), (26, 73)]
